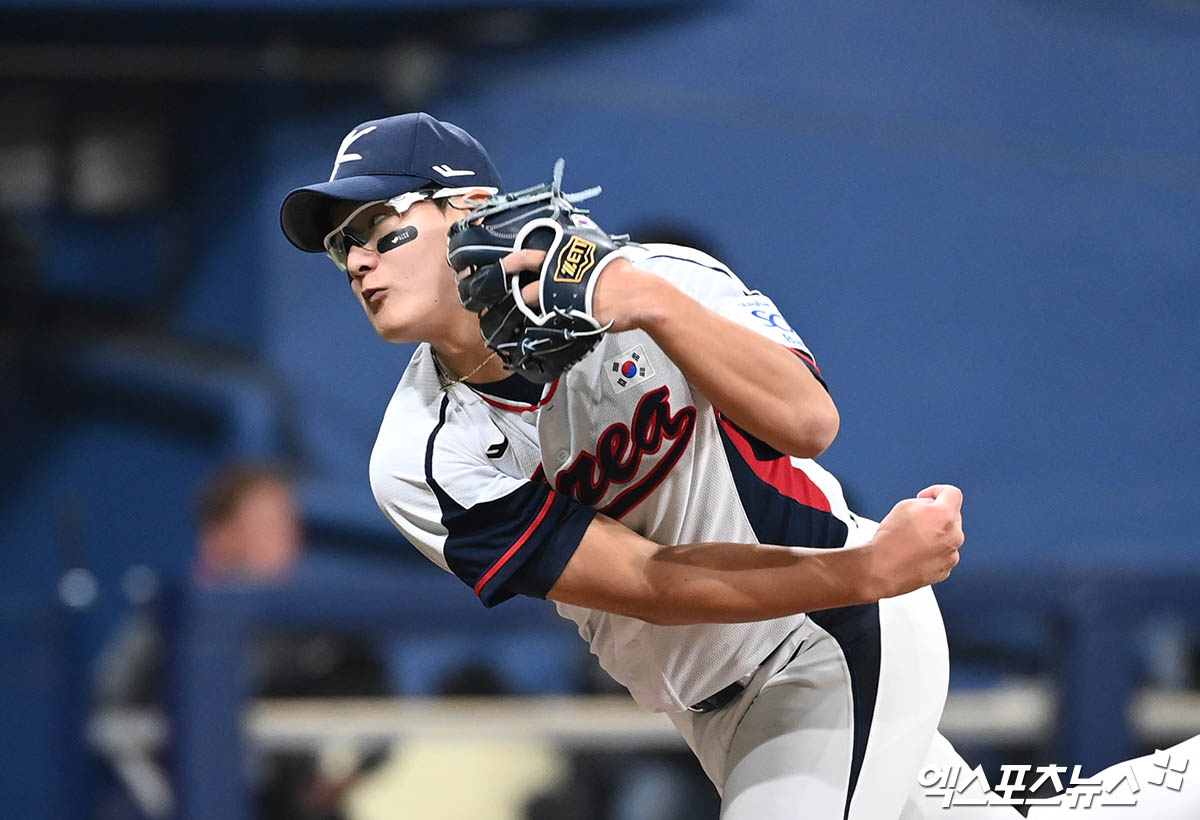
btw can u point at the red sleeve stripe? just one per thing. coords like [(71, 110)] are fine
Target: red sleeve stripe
[(496, 567), (807, 358)]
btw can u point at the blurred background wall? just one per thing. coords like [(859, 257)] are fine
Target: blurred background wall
[(981, 217)]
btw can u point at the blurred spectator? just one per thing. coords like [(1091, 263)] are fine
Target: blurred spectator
[(248, 526), (248, 531)]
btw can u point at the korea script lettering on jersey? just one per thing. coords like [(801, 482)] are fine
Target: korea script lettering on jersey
[(497, 483)]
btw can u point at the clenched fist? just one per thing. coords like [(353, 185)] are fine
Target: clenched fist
[(917, 543)]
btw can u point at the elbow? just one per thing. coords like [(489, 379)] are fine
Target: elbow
[(812, 433), (823, 433)]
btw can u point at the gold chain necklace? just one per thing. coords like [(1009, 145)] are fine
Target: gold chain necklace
[(462, 379)]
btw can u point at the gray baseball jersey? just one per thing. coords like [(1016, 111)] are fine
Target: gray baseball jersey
[(497, 483)]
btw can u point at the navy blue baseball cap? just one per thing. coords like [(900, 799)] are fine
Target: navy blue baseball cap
[(382, 159)]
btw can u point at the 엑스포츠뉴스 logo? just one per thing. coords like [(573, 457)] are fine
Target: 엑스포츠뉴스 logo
[(574, 260)]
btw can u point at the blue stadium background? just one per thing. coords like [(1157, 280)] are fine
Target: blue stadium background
[(981, 217)]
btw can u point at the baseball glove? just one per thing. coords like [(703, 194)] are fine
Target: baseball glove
[(542, 341)]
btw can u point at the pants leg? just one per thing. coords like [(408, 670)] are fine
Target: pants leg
[(840, 732)]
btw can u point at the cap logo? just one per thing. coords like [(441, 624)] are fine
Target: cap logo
[(447, 171), (342, 156)]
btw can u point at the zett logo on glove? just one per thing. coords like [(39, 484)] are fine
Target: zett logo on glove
[(574, 260)]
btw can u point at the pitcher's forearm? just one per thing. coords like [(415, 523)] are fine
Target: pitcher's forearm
[(619, 571), (733, 583)]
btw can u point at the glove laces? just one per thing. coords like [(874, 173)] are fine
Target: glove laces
[(551, 193)]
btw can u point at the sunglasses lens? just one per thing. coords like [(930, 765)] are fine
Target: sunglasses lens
[(340, 244), (336, 250), (341, 239), (350, 237)]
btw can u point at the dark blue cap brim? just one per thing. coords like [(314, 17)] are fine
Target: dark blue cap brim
[(306, 215)]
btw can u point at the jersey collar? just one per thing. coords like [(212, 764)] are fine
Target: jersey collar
[(519, 396)]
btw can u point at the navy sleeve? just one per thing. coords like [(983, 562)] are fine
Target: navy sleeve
[(516, 544)]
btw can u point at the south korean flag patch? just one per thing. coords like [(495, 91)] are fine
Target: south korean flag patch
[(629, 369)]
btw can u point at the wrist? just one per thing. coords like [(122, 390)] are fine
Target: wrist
[(871, 581), (657, 301)]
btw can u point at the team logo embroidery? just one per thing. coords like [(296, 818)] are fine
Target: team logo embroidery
[(654, 430), (574, 261), (499, 449), (342, 156), (759, 313), (446, 171), (630, 368)]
